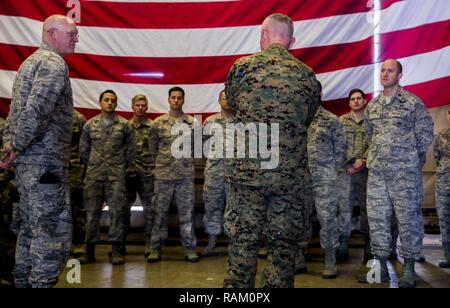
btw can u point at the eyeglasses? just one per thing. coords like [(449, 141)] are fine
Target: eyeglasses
[(72, 34)]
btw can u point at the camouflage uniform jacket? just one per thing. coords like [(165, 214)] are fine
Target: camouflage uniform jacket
[(272, 87), (107, 149), (442, 151), (75, 167), (399, 133), (356, 137), (167, 167), (2, 127), (215, 167), (144, 163), (41, 110), (327, 146)]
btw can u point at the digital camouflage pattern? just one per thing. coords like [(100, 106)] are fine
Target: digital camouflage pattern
[(140, 176), (167, 167), (184, 197), (215, 188), (39, 124), (76, 181), (399, 132), (327, 152), (41, 110), (270, 87), (442, 155), (355, 186), (107, 149), (8, 196)]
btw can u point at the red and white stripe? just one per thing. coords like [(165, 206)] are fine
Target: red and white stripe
[(149, 46)]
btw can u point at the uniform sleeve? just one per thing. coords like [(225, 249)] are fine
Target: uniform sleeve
[(423, 130), (437, 148), (48, 84), (340, 143), (231, 88), (85, 144), (6, 138), (153, 140), (130, 144), (369, 132)]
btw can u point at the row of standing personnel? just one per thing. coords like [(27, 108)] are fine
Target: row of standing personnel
[(269, 87)]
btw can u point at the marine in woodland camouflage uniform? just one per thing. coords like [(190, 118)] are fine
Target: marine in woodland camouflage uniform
[(327, 150), (39, 124), (173, 177), (76, 170), (107, 147), (215, 189), (274, 88), (399, 130), (442, 155), (140, 172)]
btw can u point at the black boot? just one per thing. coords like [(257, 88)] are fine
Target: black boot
[(89, 255), (117, 257)]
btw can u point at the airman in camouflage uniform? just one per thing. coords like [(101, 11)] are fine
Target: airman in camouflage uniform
[(107, 147), (353, 183), (327, 150), (39, 124), (215, 189), (8, 196), (274, 88), (173, 176), (140, 172), (76, 170), (442, 155), (399, 130)]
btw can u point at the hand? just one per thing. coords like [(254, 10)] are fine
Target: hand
[(8, 157), (359, 164), (351, 171)]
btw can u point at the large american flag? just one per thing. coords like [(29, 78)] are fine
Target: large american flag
[(147, 47)]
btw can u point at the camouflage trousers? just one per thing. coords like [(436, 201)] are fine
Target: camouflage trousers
[(326, 200), (95, 194), (8, 239), (215, 193), (142, 186), (443, 204), (44, 239), (396, 192), (307, 197), (184, 192), (250, 211), (78, 215), (353, 193)]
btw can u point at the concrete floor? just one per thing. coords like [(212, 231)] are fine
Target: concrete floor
[(174, 272)]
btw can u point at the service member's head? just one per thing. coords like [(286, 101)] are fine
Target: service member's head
[(139, 104), (61, 33), (277, 28), (357, 100), (223, 102), (108, 101), (391, 73), (176, 98)]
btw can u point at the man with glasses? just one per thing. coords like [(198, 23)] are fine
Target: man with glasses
[(39, 140)]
